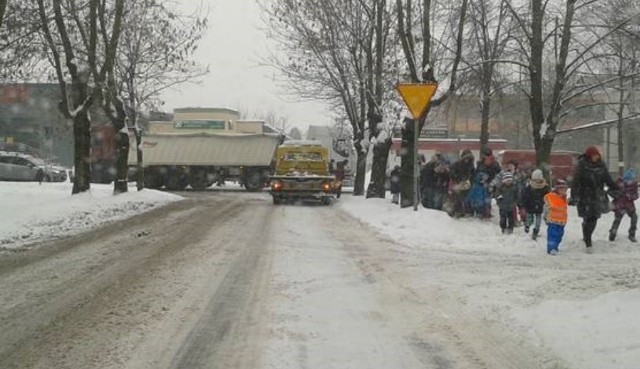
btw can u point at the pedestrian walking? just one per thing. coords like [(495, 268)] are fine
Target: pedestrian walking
[(507, 198), (588, 193), (394, 182), (462, 174), (556, 215), (491, 169), (434, 182), (624, 204), (533, 202)]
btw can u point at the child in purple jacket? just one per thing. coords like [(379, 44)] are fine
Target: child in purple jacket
[(624, 204)]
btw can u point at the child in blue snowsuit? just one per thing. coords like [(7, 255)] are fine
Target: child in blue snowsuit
[(478, 197)]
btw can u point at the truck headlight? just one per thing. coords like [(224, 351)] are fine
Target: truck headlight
[(276, 186)]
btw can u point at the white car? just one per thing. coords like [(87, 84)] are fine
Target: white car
[(20, 167)]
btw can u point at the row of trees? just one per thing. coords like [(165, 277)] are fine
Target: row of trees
[(107, 55), (351, 53)]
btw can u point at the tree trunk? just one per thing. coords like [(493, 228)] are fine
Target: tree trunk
[(121, 183), (543, 153), (361, 172), (82, 152), (3, 7), (408, 160), (140, 170), (376, 187), (484, 126)]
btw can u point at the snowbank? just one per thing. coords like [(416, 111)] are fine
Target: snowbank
[(592, 334), (32, 213), (583, 308)]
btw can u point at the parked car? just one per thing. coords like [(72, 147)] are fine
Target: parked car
[(21, 167)]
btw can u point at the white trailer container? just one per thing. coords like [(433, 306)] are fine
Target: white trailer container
[(178, 160)]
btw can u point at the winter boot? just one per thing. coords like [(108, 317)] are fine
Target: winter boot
[(632, 238), (534, 235), (526, 229), (612, 235), (553, 252)]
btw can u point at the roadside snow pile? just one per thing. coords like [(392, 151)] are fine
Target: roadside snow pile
[(593, 334), (427, 228), (583, 308), (33, 213)]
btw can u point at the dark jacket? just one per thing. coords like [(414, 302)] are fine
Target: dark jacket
[(588, 187), (491, 170), (394, 179), (432, 180), (462, 170), (533, 198), (627, 194), (507, 196)]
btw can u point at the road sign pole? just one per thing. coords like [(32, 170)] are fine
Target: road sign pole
[(416, 163), (417, 97)]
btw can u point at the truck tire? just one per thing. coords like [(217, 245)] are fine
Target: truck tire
[(198, 180), (253, 180), (175, 181)]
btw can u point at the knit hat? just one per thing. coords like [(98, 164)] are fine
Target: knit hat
[(561, 183), (537, 175), (507, 177), (592, 151), (466, 153), (629, 175)]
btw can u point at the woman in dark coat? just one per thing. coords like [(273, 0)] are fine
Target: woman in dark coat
[(462, 173), (588, 191)]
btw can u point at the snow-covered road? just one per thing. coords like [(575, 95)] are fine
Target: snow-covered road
[(228, 280)]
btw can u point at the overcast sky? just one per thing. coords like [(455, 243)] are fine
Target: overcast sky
[(232, 48)]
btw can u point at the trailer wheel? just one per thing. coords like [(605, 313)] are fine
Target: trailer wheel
[(175, 181), (253, 182), (198, 180)]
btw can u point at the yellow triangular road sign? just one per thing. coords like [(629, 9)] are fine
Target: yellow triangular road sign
[(417, 96)]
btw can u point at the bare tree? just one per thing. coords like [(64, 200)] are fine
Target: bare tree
[(295, 133), (81, 49), (327, 59), (620, 59), (157, 46), (440, 55), (491, 32), (548, 38), (3, 8)]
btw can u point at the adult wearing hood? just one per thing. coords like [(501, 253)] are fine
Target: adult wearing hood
[(434, 178), (462, 173), (588, 193), (490, 167)]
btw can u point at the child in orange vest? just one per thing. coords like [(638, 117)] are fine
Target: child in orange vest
[(555, 215)]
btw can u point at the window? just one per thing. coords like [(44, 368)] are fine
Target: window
[(302, 156)]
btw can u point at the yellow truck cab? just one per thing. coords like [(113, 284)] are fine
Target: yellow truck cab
[(302, 173)]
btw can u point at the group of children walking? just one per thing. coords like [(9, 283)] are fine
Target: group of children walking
[(542, 202)]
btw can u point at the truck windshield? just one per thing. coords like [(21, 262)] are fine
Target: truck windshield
[(303, 156)]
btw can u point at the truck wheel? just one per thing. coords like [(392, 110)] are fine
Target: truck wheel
[(175, 182), (253, 182), (198, 180)]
